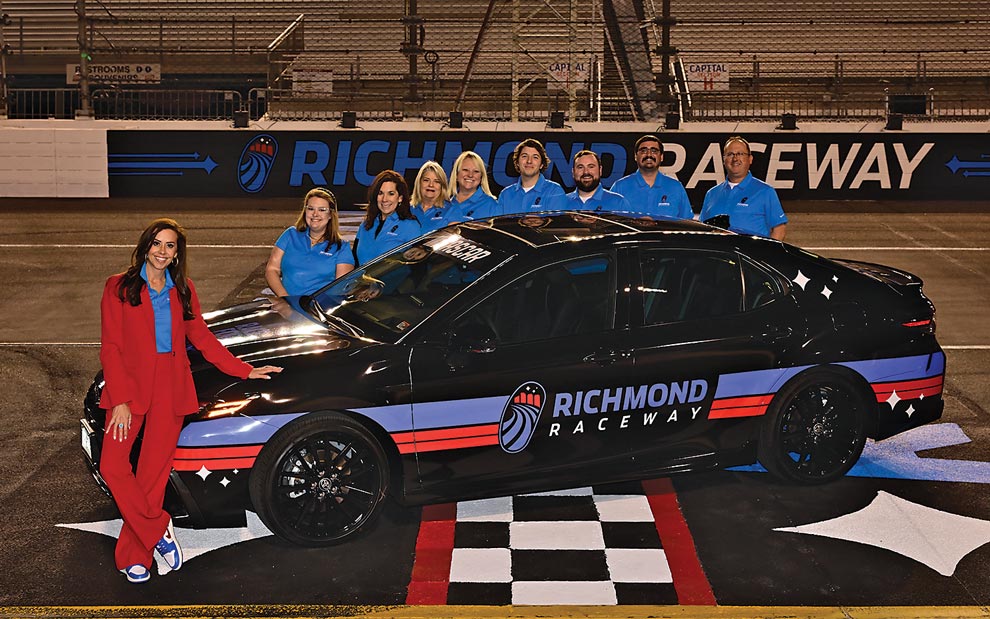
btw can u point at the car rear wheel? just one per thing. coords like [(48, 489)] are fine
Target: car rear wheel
[(319, 480), (815, 429)]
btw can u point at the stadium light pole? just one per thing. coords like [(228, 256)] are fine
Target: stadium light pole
[(86, 110)]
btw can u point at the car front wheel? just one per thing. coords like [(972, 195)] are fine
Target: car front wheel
[(815, 429), (319, 480)]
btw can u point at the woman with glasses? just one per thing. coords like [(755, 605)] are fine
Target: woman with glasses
[(311, 253)]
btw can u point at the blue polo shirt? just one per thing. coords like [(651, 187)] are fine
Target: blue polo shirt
[(666, 197), (307, 268), (479, 206), (433, 219), (540, 197), (161, 305), (383, 236), (752, 206), (601, 201)]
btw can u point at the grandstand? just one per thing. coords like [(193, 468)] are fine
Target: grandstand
[(507, 59)]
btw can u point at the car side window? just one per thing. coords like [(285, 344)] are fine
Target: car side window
[(564, 299), (681, 285), (759, 286)]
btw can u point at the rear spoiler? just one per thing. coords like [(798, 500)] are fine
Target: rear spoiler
[(881, 273)]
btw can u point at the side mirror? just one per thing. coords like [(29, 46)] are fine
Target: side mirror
[(474, 338)]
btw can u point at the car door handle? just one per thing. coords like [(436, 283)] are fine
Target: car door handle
[(606, 357), (773, 333)]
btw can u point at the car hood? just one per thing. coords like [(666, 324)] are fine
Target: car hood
[(256, 332)]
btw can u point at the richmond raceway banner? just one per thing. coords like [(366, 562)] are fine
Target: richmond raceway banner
[(801, 166)]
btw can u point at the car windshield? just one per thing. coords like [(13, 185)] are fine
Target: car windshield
[(398, 291)]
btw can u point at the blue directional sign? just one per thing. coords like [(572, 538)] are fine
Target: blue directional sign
[(897, 457), (158, 164), (970, 168)]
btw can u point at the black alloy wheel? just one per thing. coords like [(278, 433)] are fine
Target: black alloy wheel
[(815, 429), (319, 480)]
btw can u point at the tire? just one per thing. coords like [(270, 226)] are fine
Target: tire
[(319, 480), (815, 429)]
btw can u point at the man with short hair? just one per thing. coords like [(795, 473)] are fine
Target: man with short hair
[(751, 205), (533, 192), (650, 191), (589, 194)]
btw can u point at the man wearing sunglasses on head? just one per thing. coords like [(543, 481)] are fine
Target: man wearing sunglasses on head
[(649, 190), (751, 206)]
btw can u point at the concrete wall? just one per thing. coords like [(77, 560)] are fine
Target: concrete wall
[(53, 162)]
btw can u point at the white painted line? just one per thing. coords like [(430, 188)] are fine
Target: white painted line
[(499, 517), (974, 347), (220, 246), (78, 344), (896, 248), (556, 535), (552, 593)]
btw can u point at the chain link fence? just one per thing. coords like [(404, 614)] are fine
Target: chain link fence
[(597, 60)]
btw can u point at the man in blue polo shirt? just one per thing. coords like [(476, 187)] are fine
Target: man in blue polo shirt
[(589, 194), (751, 205), (532, 192), (648, 190)]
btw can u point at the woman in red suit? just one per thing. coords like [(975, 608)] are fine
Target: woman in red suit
[(147, 314)]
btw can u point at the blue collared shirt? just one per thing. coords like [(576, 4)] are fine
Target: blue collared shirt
[(667, 196), (393, 232), (161, 305), (306, 267), (602, 201), (479, 206), (540, 197), (433, 219), (752, 206)]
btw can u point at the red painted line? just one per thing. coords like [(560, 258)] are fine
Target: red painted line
[(910, 394), (740, 411), (756, 400), (461, 443), (208, 453), (219, 464), (690, 582), (921, 383), (434, 549), (445, 433)]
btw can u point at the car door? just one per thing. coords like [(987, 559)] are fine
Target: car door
[(494, 403), (703, 316)]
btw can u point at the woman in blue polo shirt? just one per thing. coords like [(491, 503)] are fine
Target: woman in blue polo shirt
[(429, 197), (310, 254), (389, 222), (470, 196)]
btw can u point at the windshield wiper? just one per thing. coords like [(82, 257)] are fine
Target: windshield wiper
[(337, 324)]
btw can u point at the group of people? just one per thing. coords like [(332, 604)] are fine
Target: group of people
[(149, 311), (311, 253)]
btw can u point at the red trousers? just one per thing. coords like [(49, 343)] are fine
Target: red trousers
[(139, 495)]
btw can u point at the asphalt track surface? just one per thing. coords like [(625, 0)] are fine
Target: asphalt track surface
[(910, 543)]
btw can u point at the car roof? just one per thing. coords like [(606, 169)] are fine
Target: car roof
[(515, 233)]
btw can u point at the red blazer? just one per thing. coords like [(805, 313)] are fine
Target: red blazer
[(127, 351)]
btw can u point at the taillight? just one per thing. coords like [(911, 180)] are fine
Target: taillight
[(927, 324)]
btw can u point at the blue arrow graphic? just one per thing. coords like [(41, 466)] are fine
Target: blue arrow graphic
[(955, 165), (897, 457), (207, 164), (158, 156)]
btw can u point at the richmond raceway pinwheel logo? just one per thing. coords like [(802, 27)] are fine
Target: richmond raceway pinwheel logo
[(255, 164), (520, 417)]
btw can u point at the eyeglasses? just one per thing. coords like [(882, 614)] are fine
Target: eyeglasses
[(652, 151), (735, 155), (323, 210)]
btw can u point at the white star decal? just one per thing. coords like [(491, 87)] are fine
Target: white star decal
[(935, 538), (204, 472), (224, 482), (909, 411), (801, 280), (236, 471), (921, 396), (893, 399), (835, 278), (826, 292), (195, 542)]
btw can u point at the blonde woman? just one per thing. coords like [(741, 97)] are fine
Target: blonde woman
[(310, 254), (429, 197), (470, 196)]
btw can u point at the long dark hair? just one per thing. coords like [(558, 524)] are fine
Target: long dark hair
[(132, 282), (387, 176)]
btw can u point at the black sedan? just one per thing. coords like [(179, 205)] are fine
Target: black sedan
[(528, 353)]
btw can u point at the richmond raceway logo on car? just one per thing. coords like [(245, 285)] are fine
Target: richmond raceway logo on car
[(520, 417), (658, 402)]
